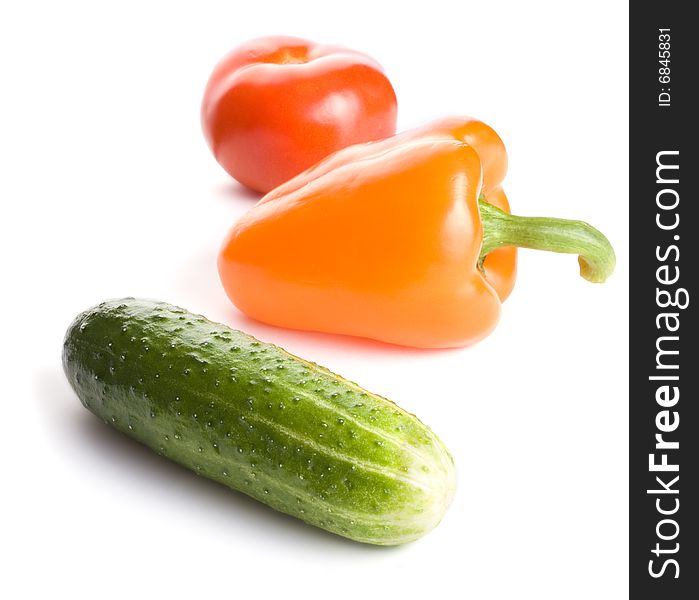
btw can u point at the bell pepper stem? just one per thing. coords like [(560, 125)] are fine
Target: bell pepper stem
[(595, 253)]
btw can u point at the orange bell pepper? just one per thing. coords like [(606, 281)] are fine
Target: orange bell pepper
[(407, 240)]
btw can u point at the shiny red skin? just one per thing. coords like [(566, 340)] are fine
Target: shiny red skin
[(277, 105)]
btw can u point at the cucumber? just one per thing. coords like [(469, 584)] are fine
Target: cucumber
[(249, 415)]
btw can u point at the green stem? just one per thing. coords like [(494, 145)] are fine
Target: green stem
[(595, 253)]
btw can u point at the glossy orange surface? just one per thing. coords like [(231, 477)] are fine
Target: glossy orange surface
[(501, 264), (277, 105), (379, 240)]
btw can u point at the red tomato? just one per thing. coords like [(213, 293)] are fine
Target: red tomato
[(277, 105)]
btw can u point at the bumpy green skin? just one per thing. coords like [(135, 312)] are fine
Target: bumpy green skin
[(259, 420)]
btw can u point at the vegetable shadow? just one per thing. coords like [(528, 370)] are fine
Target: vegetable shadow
[(232, 190)]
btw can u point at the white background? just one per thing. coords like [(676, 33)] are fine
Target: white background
[(108, 189)]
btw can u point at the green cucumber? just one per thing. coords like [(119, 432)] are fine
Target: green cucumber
[(249, 415)]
